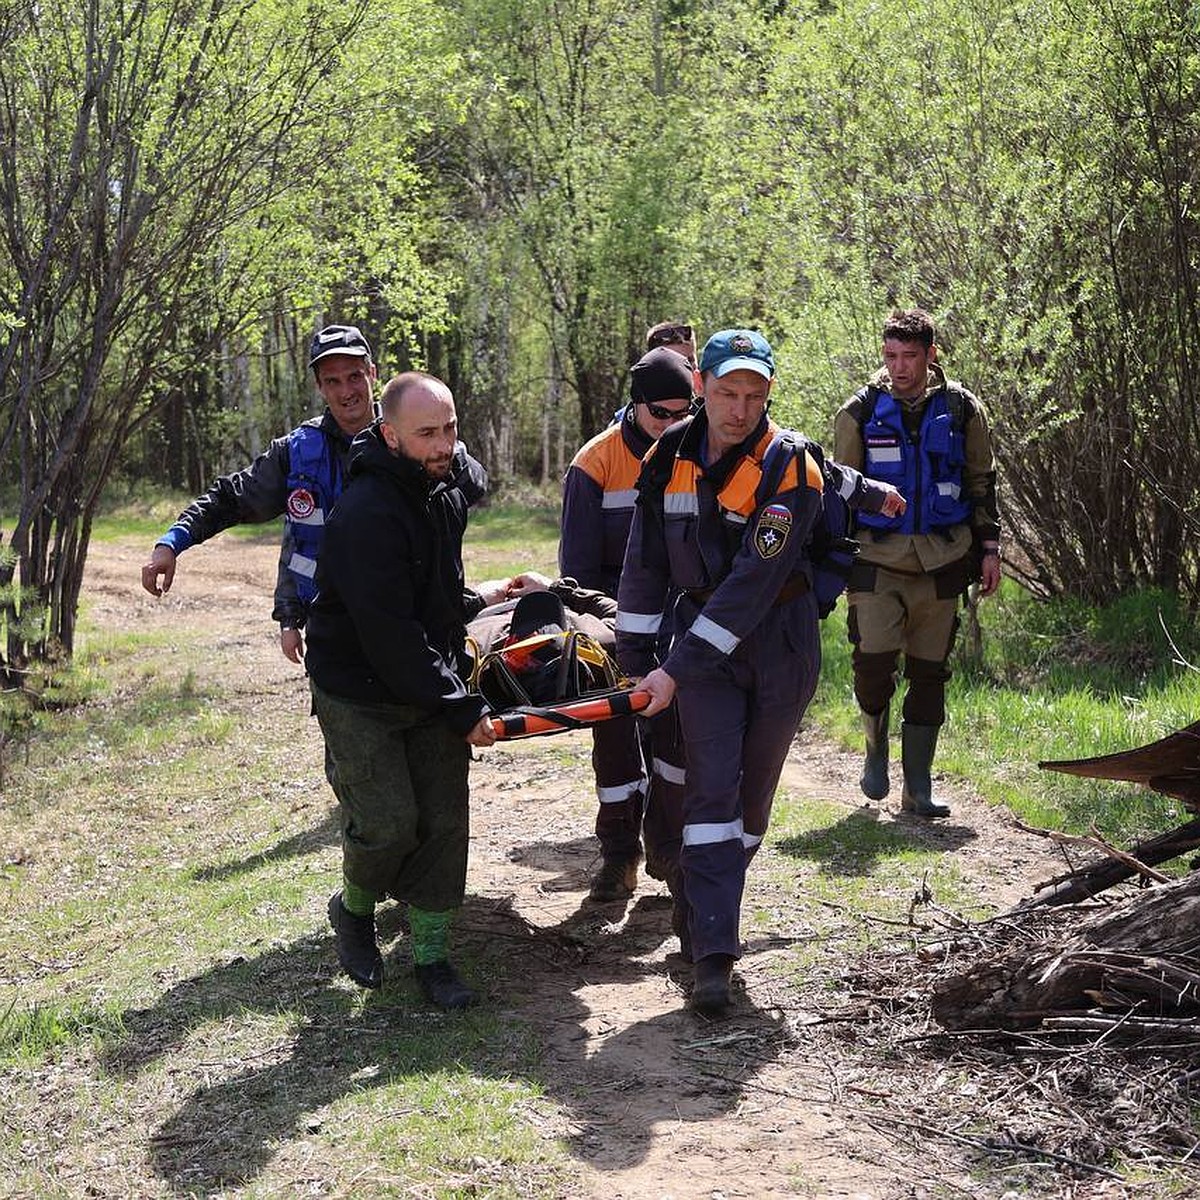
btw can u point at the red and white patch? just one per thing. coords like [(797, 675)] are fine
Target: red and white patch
[(301, 504), (771, 532)]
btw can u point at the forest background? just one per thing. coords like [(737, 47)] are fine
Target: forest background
[(508, 193)]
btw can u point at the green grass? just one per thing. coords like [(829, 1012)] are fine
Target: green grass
[(33, 1033), (855, 877), (165, 959), (167, 971), (1057, 681)]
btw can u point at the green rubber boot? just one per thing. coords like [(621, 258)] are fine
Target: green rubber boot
[(918, 743), (874, 782)]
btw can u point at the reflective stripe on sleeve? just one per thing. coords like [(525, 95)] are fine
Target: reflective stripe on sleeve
[(715, 635), (949, 488), (316, 517), (681, 504), (750, 840), (711, 834), (631, 622), (302, 565), (623, 499), (734, 518)]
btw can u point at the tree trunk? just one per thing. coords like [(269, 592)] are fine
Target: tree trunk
[(1142, 956)]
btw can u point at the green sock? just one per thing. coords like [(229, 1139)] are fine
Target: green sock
[(430, 934), (357, 900)]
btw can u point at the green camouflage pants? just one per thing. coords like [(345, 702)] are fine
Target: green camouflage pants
[(400, 777)]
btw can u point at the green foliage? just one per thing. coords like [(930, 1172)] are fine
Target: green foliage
[(510, 193)]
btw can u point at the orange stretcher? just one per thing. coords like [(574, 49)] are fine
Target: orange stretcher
[(533, 720)]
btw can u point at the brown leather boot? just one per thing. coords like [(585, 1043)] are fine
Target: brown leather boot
[(614, 881)]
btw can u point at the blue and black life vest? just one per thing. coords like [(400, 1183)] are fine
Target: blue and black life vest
[(314, 482), (927, 470)]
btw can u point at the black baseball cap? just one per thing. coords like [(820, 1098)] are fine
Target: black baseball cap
[(537, 612), (337, 339)]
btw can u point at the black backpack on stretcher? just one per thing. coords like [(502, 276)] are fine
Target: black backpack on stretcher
[(544, 676)]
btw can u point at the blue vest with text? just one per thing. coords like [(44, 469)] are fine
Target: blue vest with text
[(927, 471)]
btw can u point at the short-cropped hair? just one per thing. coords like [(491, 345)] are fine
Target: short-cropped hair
[(910, 325), (394, 389)]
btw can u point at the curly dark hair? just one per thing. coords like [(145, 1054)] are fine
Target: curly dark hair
[(910, 325)]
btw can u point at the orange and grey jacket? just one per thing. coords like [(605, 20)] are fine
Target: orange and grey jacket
[(701, 532), (599, 493)]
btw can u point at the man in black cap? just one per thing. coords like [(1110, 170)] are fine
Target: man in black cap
[(598, 502), (298, 477), (675, 335)]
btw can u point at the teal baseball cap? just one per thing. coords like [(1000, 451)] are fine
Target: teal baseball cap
[(737, 350)]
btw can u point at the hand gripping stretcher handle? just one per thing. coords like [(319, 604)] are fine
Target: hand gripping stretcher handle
[(571, 714)]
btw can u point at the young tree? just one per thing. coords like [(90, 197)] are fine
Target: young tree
[(579, 147), (167, 173)]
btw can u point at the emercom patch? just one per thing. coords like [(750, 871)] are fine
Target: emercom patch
[(771, 532), (301, 504)]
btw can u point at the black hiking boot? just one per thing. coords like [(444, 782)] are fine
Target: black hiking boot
[(614, 881), (711, 996), (356, 948), (441, 985)]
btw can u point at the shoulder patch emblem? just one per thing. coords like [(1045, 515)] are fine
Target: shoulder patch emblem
[(301, 504), (771, 532)]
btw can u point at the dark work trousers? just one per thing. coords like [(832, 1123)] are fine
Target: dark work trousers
[(738, 723), (400, 776), (620, 788), (662, 825)]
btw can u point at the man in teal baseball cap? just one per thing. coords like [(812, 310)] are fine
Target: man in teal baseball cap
[(719, 558), (737, 350)]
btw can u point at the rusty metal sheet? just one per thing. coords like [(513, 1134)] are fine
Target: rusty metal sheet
[(1170, 766)]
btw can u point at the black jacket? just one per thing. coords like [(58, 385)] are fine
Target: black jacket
[(389, 620)]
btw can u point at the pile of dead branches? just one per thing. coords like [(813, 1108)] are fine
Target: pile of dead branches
[(1135, 965), (1061, 1040)]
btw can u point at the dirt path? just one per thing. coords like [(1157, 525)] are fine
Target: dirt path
[(654, 1103)]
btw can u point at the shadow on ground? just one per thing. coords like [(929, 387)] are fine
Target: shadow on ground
[(855, 844), (613, 1080)]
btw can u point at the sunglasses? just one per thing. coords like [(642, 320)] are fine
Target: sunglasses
[(672, 335), (669, 414)]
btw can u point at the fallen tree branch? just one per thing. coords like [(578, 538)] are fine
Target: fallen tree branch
[(1137, 957), (1095, 842), (1086, 882)]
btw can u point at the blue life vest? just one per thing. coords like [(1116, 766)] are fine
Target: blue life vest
[(928, 472), (314, 482)]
